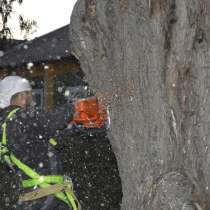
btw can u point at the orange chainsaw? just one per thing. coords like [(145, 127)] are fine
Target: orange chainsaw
[(89, 113)]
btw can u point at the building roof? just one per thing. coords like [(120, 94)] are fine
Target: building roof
[(49, 47), (6, 44)]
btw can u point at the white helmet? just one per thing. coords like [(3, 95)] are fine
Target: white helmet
[(11, 85)]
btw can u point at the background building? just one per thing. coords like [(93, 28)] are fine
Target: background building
[(47, 62)]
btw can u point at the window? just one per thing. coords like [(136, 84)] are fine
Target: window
[(38, 98)]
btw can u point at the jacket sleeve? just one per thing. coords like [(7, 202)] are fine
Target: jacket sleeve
[(46, 124)]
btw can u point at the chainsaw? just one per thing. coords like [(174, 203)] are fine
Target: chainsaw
[(90, 114)]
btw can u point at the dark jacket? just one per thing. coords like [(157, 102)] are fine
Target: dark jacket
[(91, 163), (28, 135)]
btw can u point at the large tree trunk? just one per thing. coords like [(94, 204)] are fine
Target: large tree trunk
[(149, 61)]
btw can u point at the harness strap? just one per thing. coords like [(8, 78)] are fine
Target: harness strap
[(42, 179), (36, 179), (40, 193), (52, 189), (45, 181), (3, 150), (4, 126), (3, 143)]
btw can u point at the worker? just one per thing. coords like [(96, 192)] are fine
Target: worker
[(27, 148)]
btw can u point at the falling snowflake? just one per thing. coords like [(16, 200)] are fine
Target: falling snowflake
[(25, 46), (30, 65), (1, 53), (60, 89), (46, 67), (67, 93), (41, 165)]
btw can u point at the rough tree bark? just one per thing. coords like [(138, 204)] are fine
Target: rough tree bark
[(149, 61)]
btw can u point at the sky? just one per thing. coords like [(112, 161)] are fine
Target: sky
[(49, 15)]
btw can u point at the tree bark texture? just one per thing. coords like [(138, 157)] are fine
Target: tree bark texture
[(149, 61)]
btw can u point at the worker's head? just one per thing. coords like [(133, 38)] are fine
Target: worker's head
[(15, 90)]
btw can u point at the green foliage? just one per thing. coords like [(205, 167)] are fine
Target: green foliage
[(6, 10)]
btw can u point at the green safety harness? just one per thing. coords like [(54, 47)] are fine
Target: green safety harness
[(59, 186)]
